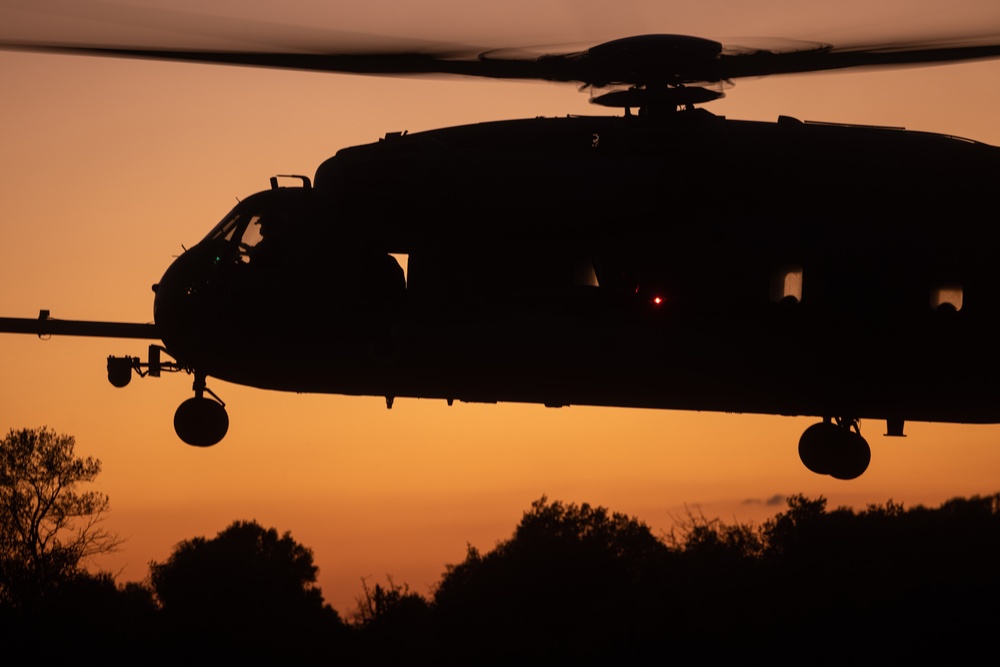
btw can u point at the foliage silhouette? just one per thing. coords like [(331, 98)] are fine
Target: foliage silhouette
[(48, 526), (380, 605), (247, 589), (81, 612), (811, 584), (393, 624), (574, 583), (571, 577)]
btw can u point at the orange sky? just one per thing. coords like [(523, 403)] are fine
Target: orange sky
[(107, 167)]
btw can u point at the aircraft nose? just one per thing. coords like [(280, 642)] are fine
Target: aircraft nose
[(180, 307)]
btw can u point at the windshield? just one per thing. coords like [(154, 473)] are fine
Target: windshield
[(282, 241), (227, 228), (249, 231)]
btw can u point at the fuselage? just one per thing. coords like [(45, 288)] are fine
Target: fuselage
[(688, 262)]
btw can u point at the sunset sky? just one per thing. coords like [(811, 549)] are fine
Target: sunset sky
[(108, 166)]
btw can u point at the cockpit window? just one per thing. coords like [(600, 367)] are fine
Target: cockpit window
[(247, 230), (252, 235), (225, 229), (265, 235)]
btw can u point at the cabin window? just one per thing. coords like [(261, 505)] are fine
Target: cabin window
[(786, 284), (403, 259), (584, 273), (947, 297)]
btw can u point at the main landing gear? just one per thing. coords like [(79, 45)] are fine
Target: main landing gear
[(199, 421), (835, 448)]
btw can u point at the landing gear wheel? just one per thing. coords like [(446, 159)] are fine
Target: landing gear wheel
[(201, 422), (853, 458), (816, 447), (835, 449)]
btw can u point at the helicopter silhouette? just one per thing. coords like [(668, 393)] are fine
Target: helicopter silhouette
[(527, 280)]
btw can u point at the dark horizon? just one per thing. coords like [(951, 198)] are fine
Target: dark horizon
[(110, 167), (571, 582)]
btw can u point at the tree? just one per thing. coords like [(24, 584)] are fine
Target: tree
[(392, 624), (573, 581), (386, 604), (49, 528), (246, 587)]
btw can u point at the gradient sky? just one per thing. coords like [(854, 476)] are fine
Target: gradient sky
[(107, 167)]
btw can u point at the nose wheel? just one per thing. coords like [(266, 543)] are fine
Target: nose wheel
[(835, 448), (201, 421)]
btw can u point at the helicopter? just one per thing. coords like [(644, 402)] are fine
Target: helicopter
[(527, 281)]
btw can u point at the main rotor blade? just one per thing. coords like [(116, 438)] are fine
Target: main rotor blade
[(828, 57), (668, 59), (347, 63)]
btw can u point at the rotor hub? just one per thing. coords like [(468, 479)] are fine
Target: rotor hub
[(651, 60)]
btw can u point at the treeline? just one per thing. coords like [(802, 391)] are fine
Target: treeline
[(573, 583)]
